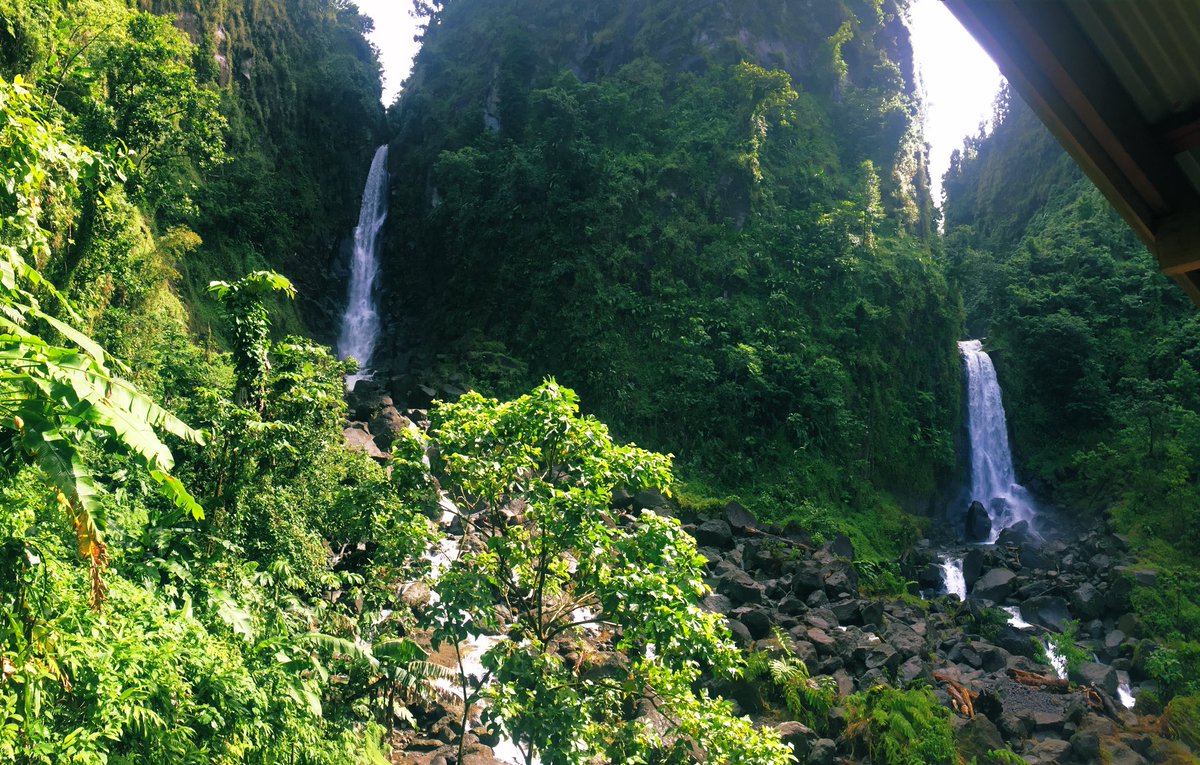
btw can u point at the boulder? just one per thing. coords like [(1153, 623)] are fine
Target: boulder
[(978, 524), (741, 587), (1102, 676), (757, 620), (841, 579), (1048, 751), (1117, 597), (741, 634), (1087, 601), (715, 533), (842, 547), (823, 752), (1145, 578), (358, 439), (995, 585), (388, 424), (1049, 611), (972, 566), (798, 736), (807, 577), (1085, 742), (1017, 535), (975, 737)]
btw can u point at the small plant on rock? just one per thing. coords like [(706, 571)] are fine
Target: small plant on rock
[(809, 699)]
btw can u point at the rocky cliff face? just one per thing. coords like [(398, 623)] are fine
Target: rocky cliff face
[(710, 218), (302, 92)]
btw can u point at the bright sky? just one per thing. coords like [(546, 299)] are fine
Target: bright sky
[(395, 28), (960, 80)]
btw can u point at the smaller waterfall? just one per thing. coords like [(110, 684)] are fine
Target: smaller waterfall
[(1057, 660), (952, 577), (360, 323), (1125, 694), (993, 479)]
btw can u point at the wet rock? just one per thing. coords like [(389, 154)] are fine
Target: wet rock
[(1102, 676), (977, 524), (1017, 535), (995, 585), (1049, 611), (972, 566), (1087, 601)]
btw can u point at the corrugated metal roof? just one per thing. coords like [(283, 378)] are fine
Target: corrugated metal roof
[(1151, 47)]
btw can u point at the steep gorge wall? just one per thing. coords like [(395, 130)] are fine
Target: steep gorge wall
[(712, 219), (301, 89)]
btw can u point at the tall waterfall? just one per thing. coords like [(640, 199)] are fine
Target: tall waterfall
[(993, 480), (360, 323)]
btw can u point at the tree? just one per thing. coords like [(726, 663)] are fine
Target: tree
[(251, 324), (544, 558), (57, 400)]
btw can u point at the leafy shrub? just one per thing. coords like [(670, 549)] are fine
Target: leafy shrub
[(809, 699), (1182, 720), (898, 727)]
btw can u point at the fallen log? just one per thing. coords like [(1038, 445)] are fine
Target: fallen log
[(961, 698), (1038, 681)]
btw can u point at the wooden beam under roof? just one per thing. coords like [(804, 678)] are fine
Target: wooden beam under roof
[(1050, 61)]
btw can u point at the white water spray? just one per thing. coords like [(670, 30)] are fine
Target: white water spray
[(993, 480), (952, 577), (360, 323)]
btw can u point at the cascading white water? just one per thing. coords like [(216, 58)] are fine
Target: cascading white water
[(993, 480), (360, 323), (953, 579)]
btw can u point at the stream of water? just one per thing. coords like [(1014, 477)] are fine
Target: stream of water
[(360, 322)]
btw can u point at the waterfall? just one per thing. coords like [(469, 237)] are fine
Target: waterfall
[(953, 579), (360, 323), (993, 480)]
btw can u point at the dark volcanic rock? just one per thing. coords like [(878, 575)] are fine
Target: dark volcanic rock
[(1048, 611), (798, 736), (972, 566), (714, 532), (995, 585), (740, 519), (978, 524), (976, 737), (1102, 676), (1087, 601), (741, 587)]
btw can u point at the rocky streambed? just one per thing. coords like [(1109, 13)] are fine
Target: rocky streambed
[(786, 596)]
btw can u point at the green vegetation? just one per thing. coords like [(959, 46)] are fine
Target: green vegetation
[(567, 562), (682, 234), (808, 699), (1096, 352), (898, 727)]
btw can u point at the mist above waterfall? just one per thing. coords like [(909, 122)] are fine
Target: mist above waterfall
[(993, 478), (360, 323)]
